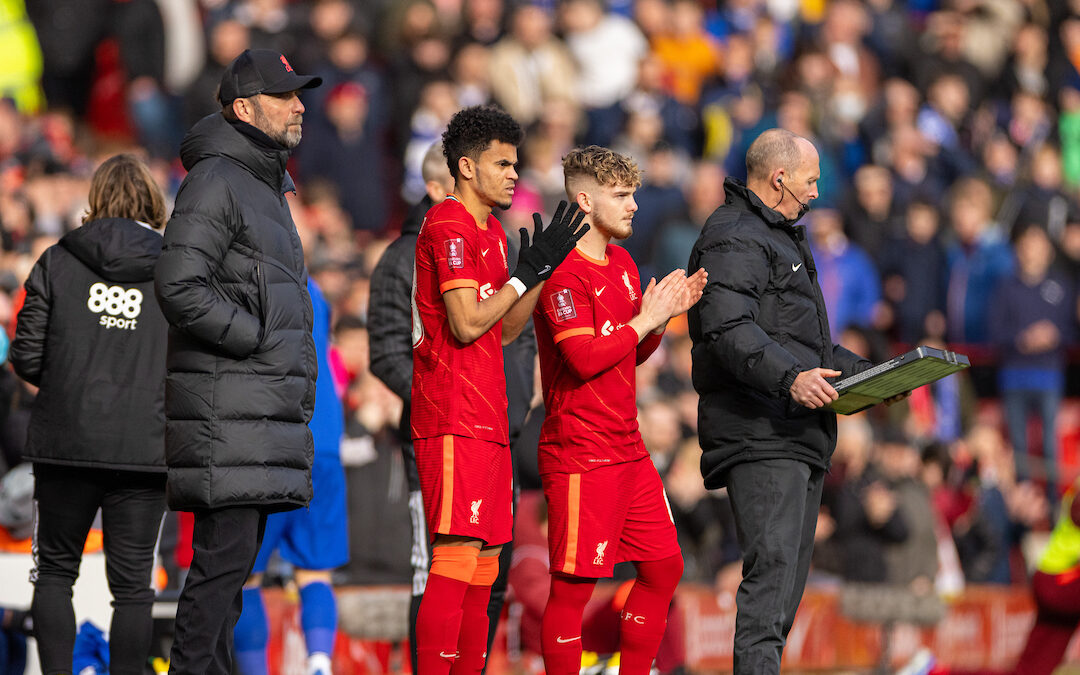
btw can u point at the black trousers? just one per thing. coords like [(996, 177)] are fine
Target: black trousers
[(225, 543), (775, 502), (132, 505)]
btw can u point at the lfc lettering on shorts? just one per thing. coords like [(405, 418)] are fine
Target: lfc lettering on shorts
[(601, 548)]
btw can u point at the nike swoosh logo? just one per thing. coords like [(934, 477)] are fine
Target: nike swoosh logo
[(600, 290), (484, 251), (547, 268), (795, 268), (561, 640), (451, 655)]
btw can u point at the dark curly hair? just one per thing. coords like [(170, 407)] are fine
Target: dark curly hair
[(472, 130)]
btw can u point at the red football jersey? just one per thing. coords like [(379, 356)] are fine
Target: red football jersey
[(587, 360), (457, 389)]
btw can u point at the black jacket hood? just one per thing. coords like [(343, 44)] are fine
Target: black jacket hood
[(117, 249), (214, 136)]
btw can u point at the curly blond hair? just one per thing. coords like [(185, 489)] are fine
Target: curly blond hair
[(605, 166)]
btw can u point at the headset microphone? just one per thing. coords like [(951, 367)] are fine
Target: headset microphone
[(803, 207)]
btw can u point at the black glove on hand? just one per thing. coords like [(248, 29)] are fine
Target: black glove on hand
[(550, 245)]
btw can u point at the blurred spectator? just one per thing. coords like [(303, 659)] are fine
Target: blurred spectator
[(842, 35), (898, 107), (607, 49), (1000, 166), (915, 274), (688, 55), (1029, 122), (703, 518), (227, 40), (21, 54), (936, 472), (327, 20), (69, 31), (483, 20), (471, 72), (1001, 509), (871, 214), (847, 276), (347, 59), (438, 102), (416, 51), (1026, 67), (274, 24), (1069, 130), (912, 563), (530, 65), (342, 147), (942, 48), (678, 120), (1043, 199), (862, 507), (943, 121), (1032, 317), (702, 193), (889, 35), (978, 259)]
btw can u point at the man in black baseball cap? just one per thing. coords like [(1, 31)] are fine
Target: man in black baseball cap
[(231, 282)]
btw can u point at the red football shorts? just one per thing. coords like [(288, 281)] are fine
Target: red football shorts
[(608, 515), (467, 486)]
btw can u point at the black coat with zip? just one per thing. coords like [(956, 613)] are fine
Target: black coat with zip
[(91, 336), (760, 322), (241, 365)]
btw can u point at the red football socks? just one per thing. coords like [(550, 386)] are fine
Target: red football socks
[(644, 616), (560, 631), (472, 640), (439, 619)]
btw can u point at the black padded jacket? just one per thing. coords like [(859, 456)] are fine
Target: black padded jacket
[(91, 336), (760, 322), (241, 364)]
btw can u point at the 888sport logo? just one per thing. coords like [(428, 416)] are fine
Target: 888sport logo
[(120, 307)]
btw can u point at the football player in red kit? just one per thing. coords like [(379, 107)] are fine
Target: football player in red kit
[(466, 306), (606, 503)]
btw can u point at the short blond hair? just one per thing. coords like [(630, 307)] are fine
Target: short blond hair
[(605, 166)]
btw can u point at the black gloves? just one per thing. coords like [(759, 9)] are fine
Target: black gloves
[(550, 245)]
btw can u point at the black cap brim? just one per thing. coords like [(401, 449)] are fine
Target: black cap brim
[(292, 82)]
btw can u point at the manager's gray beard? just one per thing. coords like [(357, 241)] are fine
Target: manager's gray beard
[(287, 136)]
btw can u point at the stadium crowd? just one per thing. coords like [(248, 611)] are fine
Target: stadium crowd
[(949, 215)]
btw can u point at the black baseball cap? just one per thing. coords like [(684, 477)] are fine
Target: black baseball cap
[(261, 71)]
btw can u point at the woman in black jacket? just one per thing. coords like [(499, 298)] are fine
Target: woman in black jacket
[(92, 338)]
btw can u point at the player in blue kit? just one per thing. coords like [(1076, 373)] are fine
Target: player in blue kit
[(315, 540)]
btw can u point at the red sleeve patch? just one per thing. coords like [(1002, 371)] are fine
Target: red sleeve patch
[(562, 303), (455, 253)]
